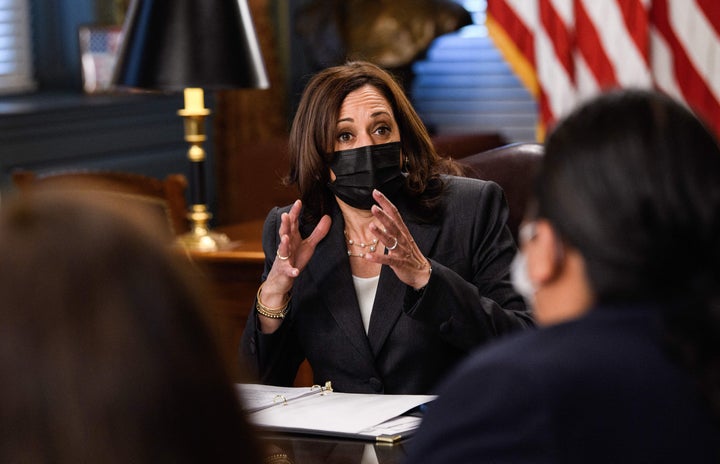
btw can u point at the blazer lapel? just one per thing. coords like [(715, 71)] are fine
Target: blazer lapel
[(332, 273), (391, 291)]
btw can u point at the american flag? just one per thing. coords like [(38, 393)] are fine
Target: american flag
[(566, 51)]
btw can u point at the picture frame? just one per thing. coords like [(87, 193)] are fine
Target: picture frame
[(99, 47)]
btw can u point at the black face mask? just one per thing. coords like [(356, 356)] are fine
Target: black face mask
[(360, 170)]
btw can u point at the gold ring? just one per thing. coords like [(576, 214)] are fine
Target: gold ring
[(394, 245), (283, 258)]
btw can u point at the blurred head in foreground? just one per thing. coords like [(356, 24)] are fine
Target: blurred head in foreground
[(628, 211), (104, 352)]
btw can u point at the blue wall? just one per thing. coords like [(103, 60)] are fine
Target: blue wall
[(59, 127)]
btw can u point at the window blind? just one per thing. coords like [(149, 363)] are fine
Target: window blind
[(16, 73), (464, 85)]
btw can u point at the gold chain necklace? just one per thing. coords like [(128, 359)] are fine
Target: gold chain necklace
[(370, 246)]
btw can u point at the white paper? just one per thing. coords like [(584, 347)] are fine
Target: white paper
[(364, 415)]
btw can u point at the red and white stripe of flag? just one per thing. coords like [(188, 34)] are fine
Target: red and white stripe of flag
[(566, 51)]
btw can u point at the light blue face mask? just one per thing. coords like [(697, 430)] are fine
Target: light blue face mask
[(518, 269), (521, 279)]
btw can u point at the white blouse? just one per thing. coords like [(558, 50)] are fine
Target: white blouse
[(366, 288)]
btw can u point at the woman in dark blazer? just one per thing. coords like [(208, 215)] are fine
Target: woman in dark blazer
[(388, 271), (621, 258)]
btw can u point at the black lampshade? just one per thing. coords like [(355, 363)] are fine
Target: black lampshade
[(174, 44)]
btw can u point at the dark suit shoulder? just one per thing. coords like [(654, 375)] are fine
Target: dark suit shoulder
[(276, 211), (469, 193), (468, 200), (272, 220), (590, 390), (584, 344), (456, 185)]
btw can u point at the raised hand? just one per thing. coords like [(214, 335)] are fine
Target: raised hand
[(403, 256), (291, 257)]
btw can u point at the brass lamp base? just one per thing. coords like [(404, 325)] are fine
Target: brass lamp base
[(208, 241), (200, 238)]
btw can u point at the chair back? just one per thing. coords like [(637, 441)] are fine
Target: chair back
[(513, 167), (166, 194)]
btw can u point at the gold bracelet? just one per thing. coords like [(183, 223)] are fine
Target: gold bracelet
[(272, 313)]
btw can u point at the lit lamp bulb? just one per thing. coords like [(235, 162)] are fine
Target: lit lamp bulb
[(194, 100)]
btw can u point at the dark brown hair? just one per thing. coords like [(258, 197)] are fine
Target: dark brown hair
[(105, 355), (314, 128)]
